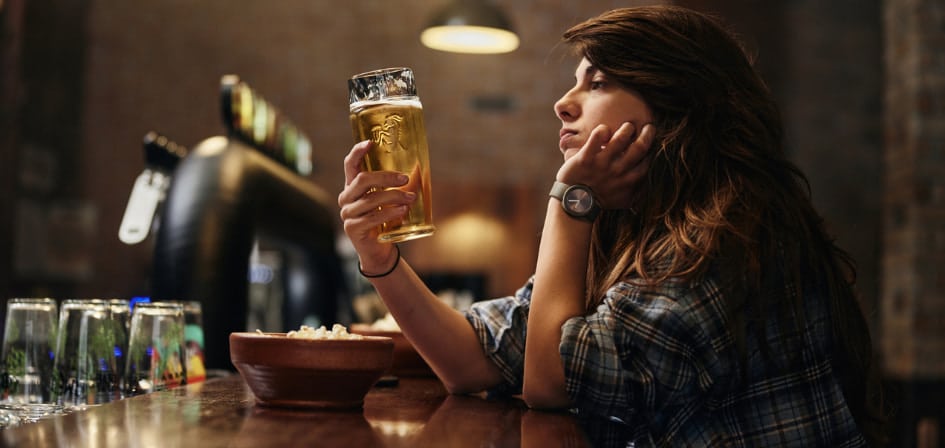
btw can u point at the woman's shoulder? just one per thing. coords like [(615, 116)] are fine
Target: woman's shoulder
[(673, 305), (671, 294)]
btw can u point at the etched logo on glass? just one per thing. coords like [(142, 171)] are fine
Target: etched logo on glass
[(387, 135)]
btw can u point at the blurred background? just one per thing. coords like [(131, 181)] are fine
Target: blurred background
[(861, 84)]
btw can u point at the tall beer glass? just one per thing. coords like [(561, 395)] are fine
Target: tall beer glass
[(385, 109)]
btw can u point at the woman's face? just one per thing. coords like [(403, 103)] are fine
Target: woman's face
[(596, 100)]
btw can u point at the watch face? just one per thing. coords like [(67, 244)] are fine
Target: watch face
[(578, 200)]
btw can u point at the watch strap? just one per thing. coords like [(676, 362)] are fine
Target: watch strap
[(558, 189)]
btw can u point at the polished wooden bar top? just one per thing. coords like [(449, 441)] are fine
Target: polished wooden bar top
[(416, 412)]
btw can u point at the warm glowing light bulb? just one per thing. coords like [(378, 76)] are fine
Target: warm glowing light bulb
[(469, 39)]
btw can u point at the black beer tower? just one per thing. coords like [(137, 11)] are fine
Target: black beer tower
[(227, 192)]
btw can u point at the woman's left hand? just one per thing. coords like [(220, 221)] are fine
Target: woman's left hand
[(611, 164)]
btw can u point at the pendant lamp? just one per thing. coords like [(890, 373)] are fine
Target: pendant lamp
[(470, 26)]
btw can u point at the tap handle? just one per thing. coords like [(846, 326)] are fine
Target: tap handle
[(161, 156), (253, 120)]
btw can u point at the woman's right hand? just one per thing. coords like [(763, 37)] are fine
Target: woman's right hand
[(611, 163), (368, 200)]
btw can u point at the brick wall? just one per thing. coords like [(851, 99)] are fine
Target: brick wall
[(913, 261), (914, 201)]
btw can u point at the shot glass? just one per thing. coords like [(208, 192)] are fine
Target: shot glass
[(29, 339), (155, 359), (384, 108), (87, 371)]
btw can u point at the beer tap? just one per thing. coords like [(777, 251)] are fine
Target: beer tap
[(147, 195)]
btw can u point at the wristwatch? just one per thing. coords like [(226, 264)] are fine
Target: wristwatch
[(576, 200)]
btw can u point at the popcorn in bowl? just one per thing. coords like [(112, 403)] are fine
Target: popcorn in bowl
[(310, 367), (337, 331), (386, 323)]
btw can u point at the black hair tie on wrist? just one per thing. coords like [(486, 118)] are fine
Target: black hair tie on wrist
[(396, 262)]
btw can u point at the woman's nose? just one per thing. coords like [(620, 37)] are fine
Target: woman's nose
[(565, 109)]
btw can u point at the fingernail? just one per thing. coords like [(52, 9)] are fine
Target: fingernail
[(410, 195), (402, 178)]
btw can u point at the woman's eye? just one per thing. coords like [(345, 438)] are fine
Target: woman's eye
[(596, 85)]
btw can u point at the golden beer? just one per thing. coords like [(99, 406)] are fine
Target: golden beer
[(400, 144)]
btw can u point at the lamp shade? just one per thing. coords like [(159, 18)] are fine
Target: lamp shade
[(470, 26)]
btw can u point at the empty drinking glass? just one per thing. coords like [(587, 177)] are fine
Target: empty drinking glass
[(29, 338), (193, 341), (87, 371), (155, 359), (26, 362)]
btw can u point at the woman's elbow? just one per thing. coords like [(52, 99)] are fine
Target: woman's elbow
[(469, 382), (459, 388), (546, 399)]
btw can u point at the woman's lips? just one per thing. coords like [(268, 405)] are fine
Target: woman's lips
[(566, 136)]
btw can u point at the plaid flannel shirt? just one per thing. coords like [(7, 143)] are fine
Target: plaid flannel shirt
[(662, 362)]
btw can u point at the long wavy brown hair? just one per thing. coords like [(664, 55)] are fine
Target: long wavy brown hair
[(721, 195)]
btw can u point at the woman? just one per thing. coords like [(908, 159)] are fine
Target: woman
[(685, 286)]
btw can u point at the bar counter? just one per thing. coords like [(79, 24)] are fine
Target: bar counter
[(416, 412)]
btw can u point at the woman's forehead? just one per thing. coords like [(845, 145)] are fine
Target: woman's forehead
[(584, 68)]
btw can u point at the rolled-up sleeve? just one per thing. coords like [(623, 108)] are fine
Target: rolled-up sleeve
[(592, 363), (501, 325)]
